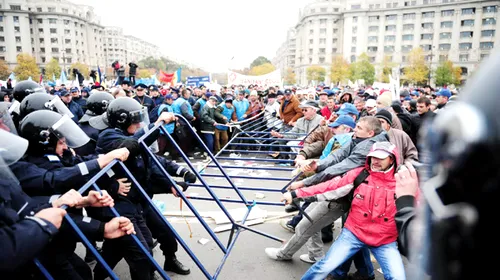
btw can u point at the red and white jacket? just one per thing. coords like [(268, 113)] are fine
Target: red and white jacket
[(373, 209)]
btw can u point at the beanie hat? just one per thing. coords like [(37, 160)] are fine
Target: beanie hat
[(384, 114), (385, 99)]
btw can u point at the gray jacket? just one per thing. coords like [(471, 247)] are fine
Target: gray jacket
[(305, 126), (344, 159)]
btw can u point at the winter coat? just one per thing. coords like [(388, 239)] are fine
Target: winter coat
[(291, 112), (316, 142)]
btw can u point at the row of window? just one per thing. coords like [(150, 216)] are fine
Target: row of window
[(49, 9), (323, 31), (431, 14), (442, 35), (430, 25), (441, 47)]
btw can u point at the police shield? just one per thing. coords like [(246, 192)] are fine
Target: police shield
[(69, 130), (6, 122), (12, 147)]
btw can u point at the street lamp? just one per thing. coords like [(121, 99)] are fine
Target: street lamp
[(430, 64)]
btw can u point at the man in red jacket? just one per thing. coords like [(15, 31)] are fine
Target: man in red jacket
[(371, 222)]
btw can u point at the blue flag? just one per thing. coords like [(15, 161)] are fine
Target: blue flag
[(63, 77)]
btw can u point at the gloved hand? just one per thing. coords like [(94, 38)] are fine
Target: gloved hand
[(188, 176), (183, 185)]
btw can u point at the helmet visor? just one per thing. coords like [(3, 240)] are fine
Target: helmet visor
[(7, 178), (15, 107), (6, 122), (59, 106), (12, 147), (140, 116), (66, 128)]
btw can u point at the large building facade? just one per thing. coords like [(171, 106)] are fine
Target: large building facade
[(62, 30), (387, 30), (126, 48)]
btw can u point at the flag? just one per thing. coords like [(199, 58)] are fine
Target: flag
[(166, 77), (54, 78), (63, 77), (12, 77), (41, 79), (177, 76), (98, 80)]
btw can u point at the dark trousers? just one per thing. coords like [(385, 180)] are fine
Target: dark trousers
[(132, 80), (161, 232), (164, 145), (113, 250), (68, 266)]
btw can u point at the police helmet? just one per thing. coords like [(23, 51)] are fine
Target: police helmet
[(97, 104), (25, 88), (124, 111), (44, 128), (43, 101)]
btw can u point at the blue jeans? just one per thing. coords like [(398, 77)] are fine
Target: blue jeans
[(362, 262), (209, 141), (346, 246)]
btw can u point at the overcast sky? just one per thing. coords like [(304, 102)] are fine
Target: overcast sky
[(206, 33)]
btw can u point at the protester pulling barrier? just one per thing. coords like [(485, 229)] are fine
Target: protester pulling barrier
[(235, 226), (86, 242)]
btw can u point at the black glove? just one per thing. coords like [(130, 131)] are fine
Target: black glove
[(183, 185), (188, 176)]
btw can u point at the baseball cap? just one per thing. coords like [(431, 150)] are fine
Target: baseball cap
[(343, 120), (381, 150), (74, 89), (371, 103), (444, 92), (348, 108), (288, 91), (309, 104)]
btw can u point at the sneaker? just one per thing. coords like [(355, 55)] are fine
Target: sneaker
[(291, 208), (307, 259), (286, 225), (274, 253)]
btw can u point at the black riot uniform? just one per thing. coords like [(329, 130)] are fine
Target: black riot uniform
[(120, 115)]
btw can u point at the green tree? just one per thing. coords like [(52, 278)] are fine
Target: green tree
[(386, 69), (362, 69), (447, 74), (417, 71), (144, 73), (83, 68), (52, 69), (339, 70), (4, 70), (259, 61), (290, 77), (26, 67), (316, 73), (262, 69)]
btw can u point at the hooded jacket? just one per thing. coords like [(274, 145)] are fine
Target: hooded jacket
[(373, 208)]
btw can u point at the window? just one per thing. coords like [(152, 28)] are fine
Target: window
[(67, 41), (355, 29), (446, 24), (389, 38), (39, 20), (486, 45), (447, 13), (353, 49), (321, 21), (408, 27), (311, 31), (65, 11), (409, 16), (355, 7), (321, 60), (426, 47), (322, 31), (53, 31), (313, 11), (52, 10), (1, 28), (391, 17), (68, 51), (372, 59), (15, 7), (334, 40), (354, 19), (487, 33), (427, 36), (468, 11), (427, 25), (17, 29), (38, 9), (334, 50), (468, 22), (490, 9), (53, 40), (466, 34), (2, 39), (406, 48), (19, 49), (66, 22), (463, 57), (16, 18), (52, 20), (465, 46), (18, 39), (428, 14), (389, 48), (40, 30), (372, 49), (373, 18), (322, 50), (489, 21), (310, 51), (311, 41), (43, 59), (66, 31), (55, 50), (2, 49), (354, 40), (42, 40), (373, 29), (445, 35), (335, 30), (390, 28), (444, 47), (1, 18), (443, 58), (408, 37), (373, 39)]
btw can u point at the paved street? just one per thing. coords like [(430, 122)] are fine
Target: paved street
[(247, 260)]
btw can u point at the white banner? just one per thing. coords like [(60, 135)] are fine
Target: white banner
[(271, 79)]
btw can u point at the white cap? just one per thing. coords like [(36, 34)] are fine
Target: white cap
[(371, 103)]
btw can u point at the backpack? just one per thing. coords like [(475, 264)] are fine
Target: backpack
[(346, 200)]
